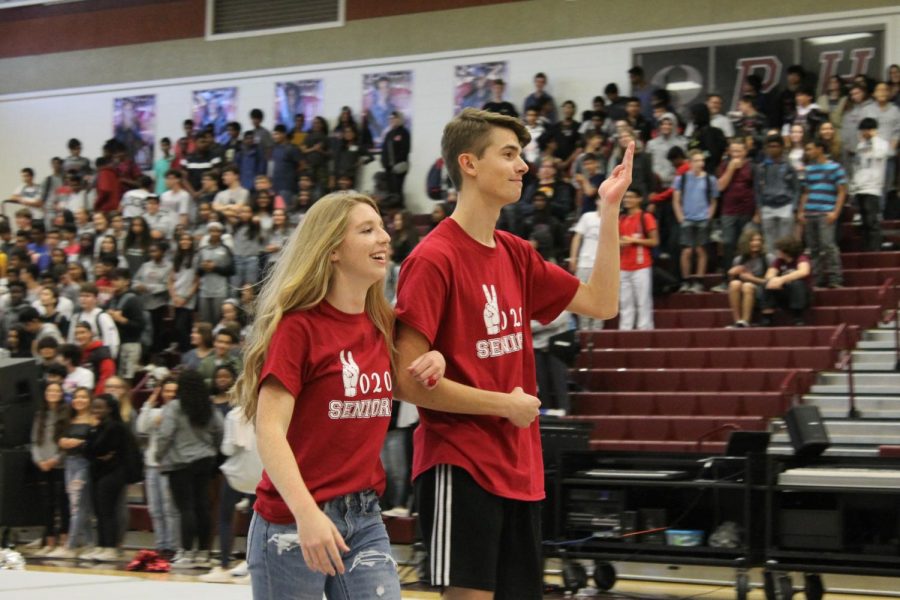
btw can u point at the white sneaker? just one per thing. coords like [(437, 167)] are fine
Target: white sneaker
[(685, 287), (88, 552), (240, 570), (217, 575), (722, 287), (184, 559), (201, 560), (44, 551), (243, 505), (35, 544), (107, 555), (245, 580), (397, 511), (62, 552)]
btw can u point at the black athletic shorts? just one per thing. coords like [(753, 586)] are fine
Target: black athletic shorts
[(478, 540)]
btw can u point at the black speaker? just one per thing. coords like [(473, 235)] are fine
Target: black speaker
[(19, 393), (18, 489), (806, 429)]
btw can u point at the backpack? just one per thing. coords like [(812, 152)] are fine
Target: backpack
[(683, 183), (97, 356), (664, 282)]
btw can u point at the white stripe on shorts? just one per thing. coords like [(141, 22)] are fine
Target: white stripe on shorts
[(440, 527)]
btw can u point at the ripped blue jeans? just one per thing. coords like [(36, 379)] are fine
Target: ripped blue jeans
[(278, 571)]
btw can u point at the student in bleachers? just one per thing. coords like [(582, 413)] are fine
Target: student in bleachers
[(151, 284), (777, 191), (824, 193), (161, 506), (52, 418), (637, 235), (182, 290), (694, 204), (867, 186), (788, 282), (738, 206), (77, 473), (747, 277), (202, 341), (94, 356), (189, 437)]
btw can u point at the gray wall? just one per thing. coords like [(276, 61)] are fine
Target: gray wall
[(487, 26)]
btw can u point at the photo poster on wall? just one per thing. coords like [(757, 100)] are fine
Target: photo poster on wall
[(384, 93), (690, 73), (134, 123), (216, 107), (298, 97), (472, 84)]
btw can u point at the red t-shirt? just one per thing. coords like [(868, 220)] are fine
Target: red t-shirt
[(738, 197), (633, 256), (338, 369), (475, 304)]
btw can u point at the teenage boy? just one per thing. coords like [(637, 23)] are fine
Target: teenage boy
[(29, 195), (134, 202), (497, 104), (869, 169), (540, 100), (694, 202), (637, 235), (162, 165), (261, 136), (250, 160), (824, 193), (776, 190), (126, 310), (234, 192), (738, 205), (102, 325), (477, 461), (175, 203)]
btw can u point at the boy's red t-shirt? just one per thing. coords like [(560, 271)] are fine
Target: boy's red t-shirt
[(475, 304), (635, 257), (337, 367)]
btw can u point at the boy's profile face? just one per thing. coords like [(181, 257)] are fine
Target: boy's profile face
[(499, 170)]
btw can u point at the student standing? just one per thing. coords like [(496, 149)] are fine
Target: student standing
[(470, 292), (318, 381)]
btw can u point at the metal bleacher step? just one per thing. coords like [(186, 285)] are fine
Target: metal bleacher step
[(861, 357), (855, 432), (880, 335), (832, 382), (835, 450), (874, 407)]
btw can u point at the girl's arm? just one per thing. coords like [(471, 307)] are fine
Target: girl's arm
[(320, 541)]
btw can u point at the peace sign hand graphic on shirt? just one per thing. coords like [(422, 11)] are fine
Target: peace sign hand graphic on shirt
[(491, 310), (350, 374)]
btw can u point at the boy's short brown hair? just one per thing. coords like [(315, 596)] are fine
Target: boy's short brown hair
[(469, 132)]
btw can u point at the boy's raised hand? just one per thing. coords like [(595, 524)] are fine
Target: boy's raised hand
[(613, 189)]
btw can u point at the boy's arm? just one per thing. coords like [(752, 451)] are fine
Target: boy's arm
[(573, 251), (599, 297), (449, 396)]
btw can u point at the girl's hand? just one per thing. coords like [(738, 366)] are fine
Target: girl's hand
[(428, 369), (321, 543)]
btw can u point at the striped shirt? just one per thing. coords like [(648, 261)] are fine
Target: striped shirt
[(821, 185)]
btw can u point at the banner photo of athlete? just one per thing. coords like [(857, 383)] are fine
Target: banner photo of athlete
[(215, 107), (472, 87), (134, 123), (298, 97), (690, 73), (384, 93)]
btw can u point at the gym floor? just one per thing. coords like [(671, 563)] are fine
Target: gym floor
[(47, 578)]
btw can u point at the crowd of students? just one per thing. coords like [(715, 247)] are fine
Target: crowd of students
[(107, 269)]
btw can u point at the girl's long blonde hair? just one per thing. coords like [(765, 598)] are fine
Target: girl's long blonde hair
[(299, 281)]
